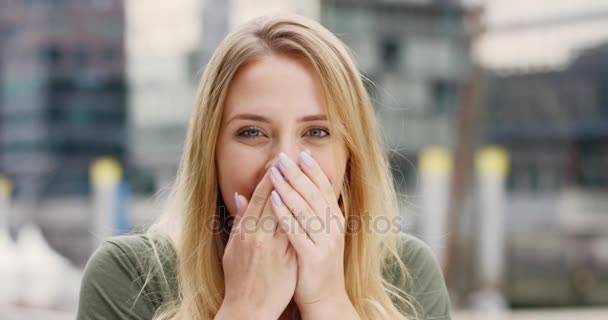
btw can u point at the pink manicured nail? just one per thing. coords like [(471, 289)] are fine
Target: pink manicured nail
[(236, 201), (285, 160), (305, 156), (277, 175), (276, 199)]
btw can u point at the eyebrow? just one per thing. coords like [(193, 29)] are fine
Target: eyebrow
[(256, 117)]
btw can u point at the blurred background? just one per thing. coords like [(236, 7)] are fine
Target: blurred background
[(495, 113)]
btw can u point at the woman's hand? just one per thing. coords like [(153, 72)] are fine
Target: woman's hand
[(314, 223), (260, 266)]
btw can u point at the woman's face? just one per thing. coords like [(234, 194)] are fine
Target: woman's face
[(274, 105)]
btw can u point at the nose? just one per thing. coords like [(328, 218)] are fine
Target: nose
[(288, 146)]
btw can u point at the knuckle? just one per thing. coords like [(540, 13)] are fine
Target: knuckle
[(258, 199), (256, 243), (296, 176), (290, 193), (317, 258), (247, 224), (314, 195)]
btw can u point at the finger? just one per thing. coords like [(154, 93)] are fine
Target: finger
[(290, 227), (267, 223), (313, 171), (259, 197), (312, 224), (244, 225), (279, 234), (323, 202), (240, 203)]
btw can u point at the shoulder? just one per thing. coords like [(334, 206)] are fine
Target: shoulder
[(416, 254), (127, 277), (427, 285), (136, 248), (132, 253)]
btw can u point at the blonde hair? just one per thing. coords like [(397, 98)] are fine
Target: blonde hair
[(367, 192)]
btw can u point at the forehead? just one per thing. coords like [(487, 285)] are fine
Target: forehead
[(274, 83)]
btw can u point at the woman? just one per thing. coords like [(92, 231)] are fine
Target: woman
[(275, 209)]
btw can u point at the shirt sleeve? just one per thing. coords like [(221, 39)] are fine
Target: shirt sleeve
[(428, 285), (112, 283)]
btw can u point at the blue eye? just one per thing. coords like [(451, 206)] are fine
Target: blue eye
[(318, 132), (250, 132), (253, 132)]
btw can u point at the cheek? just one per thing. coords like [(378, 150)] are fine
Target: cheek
[(238, 171), (329, 168), (333, 165)]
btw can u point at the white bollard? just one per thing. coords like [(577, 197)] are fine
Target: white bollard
[(492, 165), (106, 174), (435, 171), (10, 260)]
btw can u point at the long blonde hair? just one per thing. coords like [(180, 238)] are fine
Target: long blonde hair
[(367, 192)]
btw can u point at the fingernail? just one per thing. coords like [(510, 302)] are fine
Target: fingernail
[(277, 175), (285, 160), (275, 198), (305, 156), (236, 201)]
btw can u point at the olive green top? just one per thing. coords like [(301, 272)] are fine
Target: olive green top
[(116, 272)]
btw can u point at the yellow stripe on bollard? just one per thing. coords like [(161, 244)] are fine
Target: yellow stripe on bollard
[(492, 161), (105, 171), (6, 187), (435, 161)]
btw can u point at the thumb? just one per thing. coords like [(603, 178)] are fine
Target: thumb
[(241, 204), (240, 209)]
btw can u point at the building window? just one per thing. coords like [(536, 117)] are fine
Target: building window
[(102, 5), (390, 52), (82, 57), (110, 55), (193, 64), (444, 96), (602, 82), (52, 55)]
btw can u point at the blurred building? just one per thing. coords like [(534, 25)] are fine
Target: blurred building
[(5, 30), (555, 126), (545, 100), (216, 25), (63, 92), (547, 34), (243, 10), (163, 43), (558, 119), (417, 55)]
